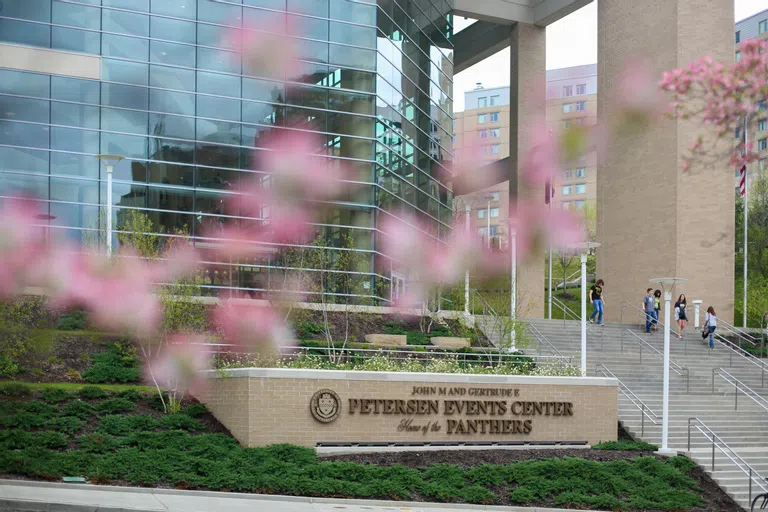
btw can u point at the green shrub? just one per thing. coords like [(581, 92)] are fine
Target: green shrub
[(15, 389), (74, 375), (441, 331), (393, 328), (92, 393), (119, 363), (626, 445), (195, 410), (51, 439), (130, 394), (66, 424), (14, 439), (418, 338), (71, 321), (78, 409), (305, 330), (114, 406), (97, 443), (55, 395), (180, 422)]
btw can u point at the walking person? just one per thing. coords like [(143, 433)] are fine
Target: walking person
[(710, 321), (596, 296), (656, 308), (648, 308), (680, 316)]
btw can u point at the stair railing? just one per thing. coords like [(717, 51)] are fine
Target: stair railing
[(740, 334), (718, 443), (739, 386), (569, 314), (544, 344), (659, 355), (641, 314), (645, 411), (742, 353)]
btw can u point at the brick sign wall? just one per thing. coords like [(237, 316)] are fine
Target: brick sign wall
[(305, 407)]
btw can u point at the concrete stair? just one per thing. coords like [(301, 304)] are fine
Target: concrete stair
[(692, 395)]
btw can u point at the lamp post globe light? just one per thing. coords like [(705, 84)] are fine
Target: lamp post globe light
[(584, 249), (667, 284), (110, 161)]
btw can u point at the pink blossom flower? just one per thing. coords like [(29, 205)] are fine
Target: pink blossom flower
[(265, 50), (181, 363), (22, 245), (252, 328), (543, 161), (535, 226)]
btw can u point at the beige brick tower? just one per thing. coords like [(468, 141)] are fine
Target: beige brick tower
[(528, 104), (654, 220)]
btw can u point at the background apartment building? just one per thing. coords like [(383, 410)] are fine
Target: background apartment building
[(571, 100)]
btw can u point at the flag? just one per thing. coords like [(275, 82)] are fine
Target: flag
[(742, 179)]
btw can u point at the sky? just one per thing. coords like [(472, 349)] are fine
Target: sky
[(570, 42)]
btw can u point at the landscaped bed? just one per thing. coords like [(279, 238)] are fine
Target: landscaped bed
[(124, 438)]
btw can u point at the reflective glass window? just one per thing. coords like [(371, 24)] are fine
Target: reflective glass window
[(172, 102), (262, 113), (72, 89), (76, 216), (354, 57), (129, 146), (23, 109), (218, 108), (308, 27), (178, 127), (134, 5), (71, 164), (130, 121), (353, 35), (125, 47), (72, 114), (172, 53), (215, 12), (218, 60), (122, 22), (35, 186), (128, 196), (27, 84), (76, 191), (169, 173), (172, 78), (270, 4), (351, 102), (219, 179), (173, 30), (264, 90), (215, 83), (350, 10), (24, 134), (314, 8), (125, 72), (22, 32), (173, 151), (23, 160), (75, 40), (76, 15), (74, 140), (126, 96), (175, 8)]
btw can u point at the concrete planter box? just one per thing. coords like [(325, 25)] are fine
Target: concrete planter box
[(450, 342), (399, 340)]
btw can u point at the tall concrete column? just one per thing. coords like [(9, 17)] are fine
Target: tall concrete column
[(527, 102), (654, 220)]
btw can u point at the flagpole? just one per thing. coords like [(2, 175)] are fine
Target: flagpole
[(746, 216)]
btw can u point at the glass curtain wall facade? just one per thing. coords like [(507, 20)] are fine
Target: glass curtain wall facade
[(375, 84)]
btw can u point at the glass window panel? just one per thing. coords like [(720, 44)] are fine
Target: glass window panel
[(125, 96), (172, 78), (314, 8), (76, 191), (125, 47), (210, 202), (74, 40), (128, 146), (25, 160), (354, 35), (214, 12), (71, 114), (172, 53), (177, 127), (170, 174), (124, 121), (128, 196), (264, 90), (76, 165), (122, 22), (218, 60), (74, 139), (126, 72), (307, 97), (350, 10), (271, 4), (77, 216), (173, 30), (176, 8), (172, 150), (307, 27), (173, 102), (215, 83), (351, 102), (313, 50), (27, 84), (215, 178), (260, 18), (218, 108), (309, 72), (76, 15), (261, 113), (218, 132), (218, 156), (23, 134), (354, 57), (23, 109), (16, 184), (209, 35), (306, 119), (72, 89), (136, 5), (23, 32)]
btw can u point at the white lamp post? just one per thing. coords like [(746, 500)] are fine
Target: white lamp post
[(109, 161), (667, 283), (468, 213), (584, 248), (513, 286)]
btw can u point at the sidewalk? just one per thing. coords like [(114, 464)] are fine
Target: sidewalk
[(26, 496)]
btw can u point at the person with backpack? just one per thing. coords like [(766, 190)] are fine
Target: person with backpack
[(596, 296), (649, 310), (656, 308), (710, 322)]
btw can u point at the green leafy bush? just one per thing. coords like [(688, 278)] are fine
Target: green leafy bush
[(626, 445), (14, 439), (51, 439), (119, 363), (393, 328), (180, 422), (114, 406), (92, 393), (55, 395), (78, 409), (66, 424), (15, 389), (71, 321), (97, 443), (417, 338), (305, 330), (130, 394), (195, 410)]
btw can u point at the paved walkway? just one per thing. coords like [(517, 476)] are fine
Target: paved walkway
[(51, 497)]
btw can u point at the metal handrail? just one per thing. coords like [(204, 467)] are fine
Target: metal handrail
[(748, 391), (640, 312), (642, 407), (541, 339), (590, 328), (673, 365), (740, 332), (408, 354), (721, 445), (488, 311), (743, 353)]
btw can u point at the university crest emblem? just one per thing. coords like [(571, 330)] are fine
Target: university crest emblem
[(325, 406)]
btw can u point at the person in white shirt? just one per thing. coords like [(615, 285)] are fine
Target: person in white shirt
[(710, 320)]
